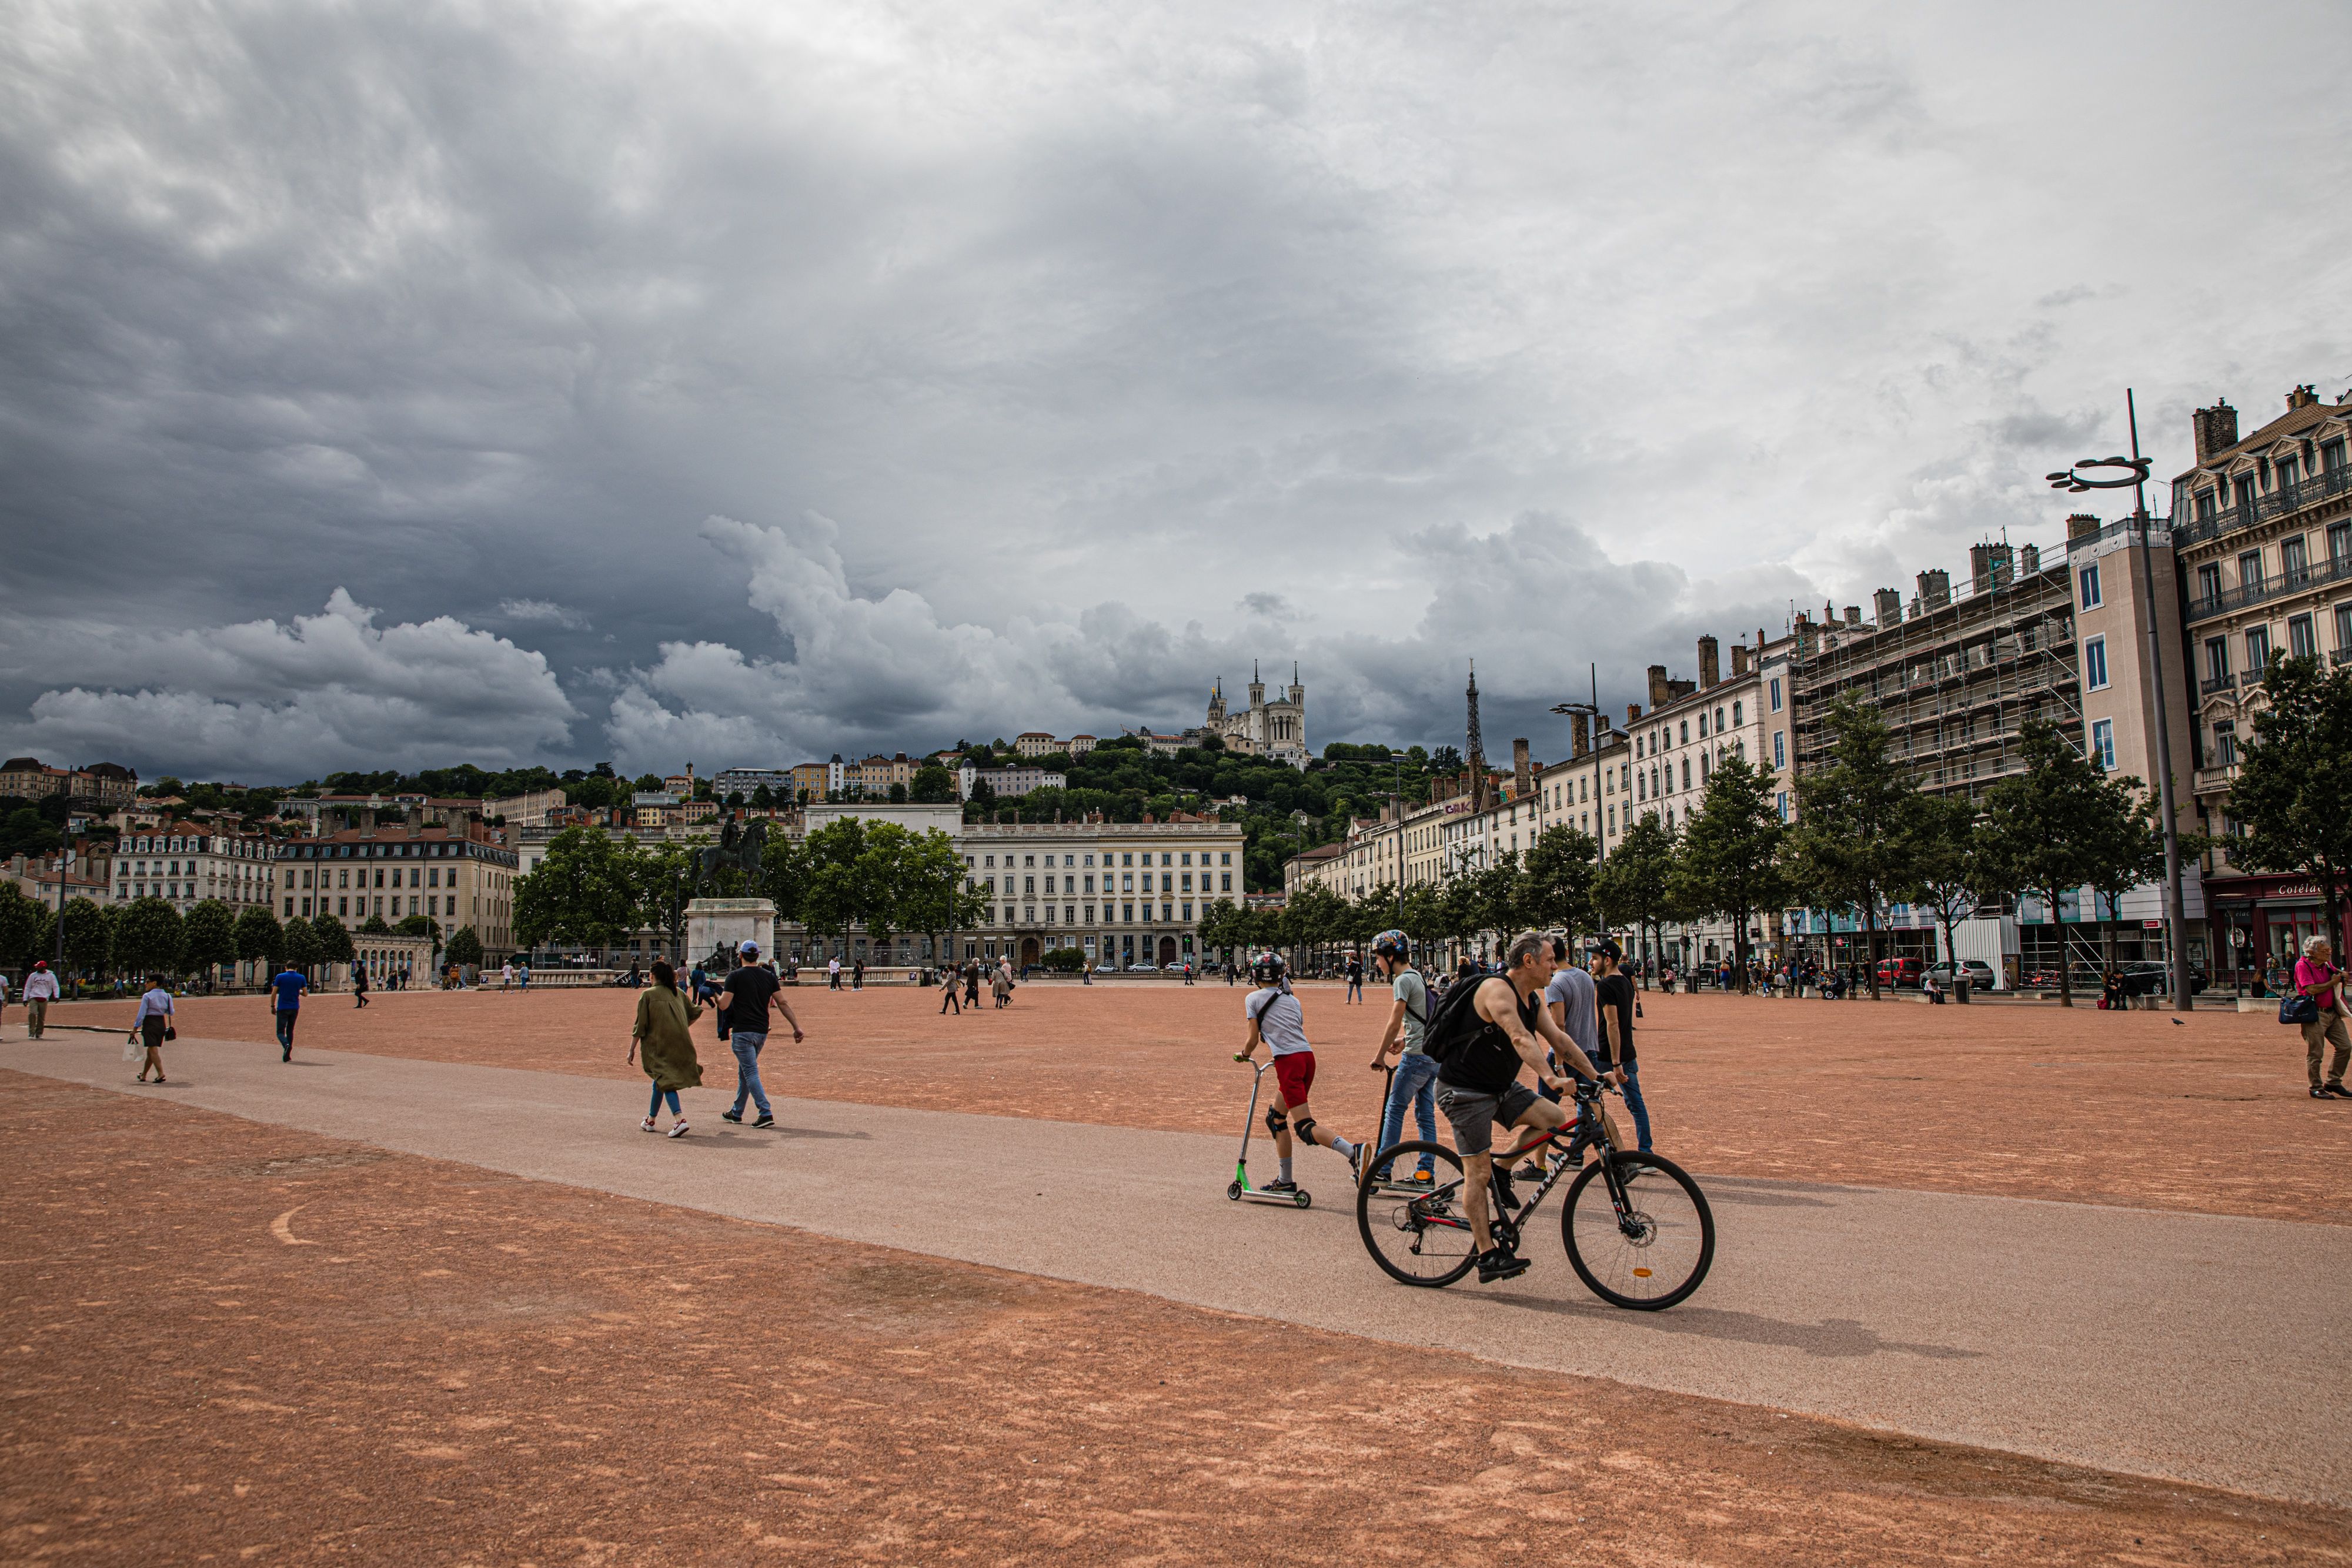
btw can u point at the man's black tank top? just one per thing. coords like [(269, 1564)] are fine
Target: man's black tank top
[(1487, 1062)]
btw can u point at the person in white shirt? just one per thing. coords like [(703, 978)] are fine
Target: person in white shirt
[(506, 977), (1278, 1023), (4, 1001), (152, 1023), (40, 991)]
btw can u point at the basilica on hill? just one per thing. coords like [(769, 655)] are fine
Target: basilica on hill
[(1277, 729)]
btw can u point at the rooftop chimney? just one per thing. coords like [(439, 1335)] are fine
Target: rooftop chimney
[(1523, 778), (1935, 589), (2081, 523), (1739, 658), (1854, 616), (2028, 559), (1658, 685), (2302, 397), (1980, 568), (2215, 427), (1632, 712), (1710, 663), (1580, 734), (1888, 603)]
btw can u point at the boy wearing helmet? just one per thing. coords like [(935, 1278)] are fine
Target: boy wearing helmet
[(1279, 1023), (1416, 1082)]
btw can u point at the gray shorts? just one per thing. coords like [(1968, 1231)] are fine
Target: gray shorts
[(1474, 1115)]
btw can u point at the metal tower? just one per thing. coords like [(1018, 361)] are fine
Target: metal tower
[(1477, 756)]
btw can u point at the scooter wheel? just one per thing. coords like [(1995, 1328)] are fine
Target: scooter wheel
[(1233, 1190), (1304, 1200)]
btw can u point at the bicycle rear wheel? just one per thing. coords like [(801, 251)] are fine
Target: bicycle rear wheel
[(1417, 1231), (1654, 1253)]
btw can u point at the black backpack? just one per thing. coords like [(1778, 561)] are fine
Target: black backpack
[(1455, 1021)]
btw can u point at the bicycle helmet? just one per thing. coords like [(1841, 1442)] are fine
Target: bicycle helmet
[(1392, 944)]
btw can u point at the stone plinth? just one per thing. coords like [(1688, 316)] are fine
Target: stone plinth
[(715, 924)]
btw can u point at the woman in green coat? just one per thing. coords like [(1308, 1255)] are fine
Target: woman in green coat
[(665, 1015)]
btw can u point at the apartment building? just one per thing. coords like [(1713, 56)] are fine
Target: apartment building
[(186, 865), (1006, 783), (460, 876), (1121, 893), (2263, 529), (103, 786), (778, 783)]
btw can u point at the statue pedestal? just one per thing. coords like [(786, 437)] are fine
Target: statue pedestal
[(716, 924)]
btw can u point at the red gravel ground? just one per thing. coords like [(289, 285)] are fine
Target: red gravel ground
[(235, 1342), (2131, 1108)]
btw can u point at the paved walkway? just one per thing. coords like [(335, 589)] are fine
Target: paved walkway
[(2197, 1347)]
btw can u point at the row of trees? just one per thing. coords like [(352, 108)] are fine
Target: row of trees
[(149, 937), (592, 890), (1865, 839)]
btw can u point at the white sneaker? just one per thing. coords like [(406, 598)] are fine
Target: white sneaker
[(677, 1128), (648, 1126)]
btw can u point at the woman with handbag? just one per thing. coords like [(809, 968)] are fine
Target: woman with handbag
[(153, 1026), (2318, 1006)]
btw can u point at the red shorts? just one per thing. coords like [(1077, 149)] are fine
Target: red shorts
[(1295, 1075)]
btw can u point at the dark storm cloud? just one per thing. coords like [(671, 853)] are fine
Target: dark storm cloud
[(1038, 369)]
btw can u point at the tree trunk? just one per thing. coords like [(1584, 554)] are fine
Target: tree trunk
[(2065, 966)]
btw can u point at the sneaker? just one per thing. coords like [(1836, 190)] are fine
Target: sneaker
[(765, 1121), (677, 1128), (736, 1116), (1496, 1264), (1279, 1186), (648, 1126)]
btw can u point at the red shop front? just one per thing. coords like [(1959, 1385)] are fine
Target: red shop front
[(2261, 923)]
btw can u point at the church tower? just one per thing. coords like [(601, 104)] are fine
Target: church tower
[(1217, 705), (1257, 690)]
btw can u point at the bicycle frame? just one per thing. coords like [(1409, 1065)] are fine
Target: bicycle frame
[(1502, 1220)]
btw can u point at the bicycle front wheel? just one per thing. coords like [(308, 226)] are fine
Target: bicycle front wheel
[(1416, 1232), (1652, 1253)]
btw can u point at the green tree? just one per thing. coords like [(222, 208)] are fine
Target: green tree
[(1556, 888), (934, 785), (663, 874), (211, 931), (833, 898), (421, 926), (1495, 894), (302, 946), (374, 925), (2129, 852), (2040, 827), (1636, 885), (584, 892), (90, 937), (1947, 876), (149, 938), (762, 798), (334, 942), (260, 937), (24, 925), (1731, 864), (465, 949), (784, 877), (933, 891), (1857, 838), (2292, 798)]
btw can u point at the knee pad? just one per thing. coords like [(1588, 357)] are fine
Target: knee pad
[(1304, 1129), (1275, 1120)]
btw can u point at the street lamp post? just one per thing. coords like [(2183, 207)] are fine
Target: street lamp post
[(1397, 760), (2072, 481), (1591, 710)]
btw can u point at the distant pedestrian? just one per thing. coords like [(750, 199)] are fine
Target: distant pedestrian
[(663, 1033), (2316, 976), (751, 992), (1000, 986), (947, 989), (857, 976), (4, 1001), (522, 974), (359, 985), (40, 991), (507, 976), (833, 973), (1355, 981), (286, 989), (972, 986), (153, 1024)]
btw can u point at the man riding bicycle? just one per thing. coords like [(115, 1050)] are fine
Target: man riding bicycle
[(1478, 1084)]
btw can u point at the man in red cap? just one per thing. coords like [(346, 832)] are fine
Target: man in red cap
[(40, 991)]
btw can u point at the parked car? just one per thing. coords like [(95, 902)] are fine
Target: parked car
[(1143, 968), (1979, 974), (2148, 978), (1897, 973)]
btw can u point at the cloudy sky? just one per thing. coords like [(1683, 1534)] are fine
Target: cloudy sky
[(403, 383)]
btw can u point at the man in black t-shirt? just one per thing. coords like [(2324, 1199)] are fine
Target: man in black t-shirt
[(744, 1003), (1613, 1000)]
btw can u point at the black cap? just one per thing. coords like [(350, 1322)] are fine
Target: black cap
[(1608, 948)]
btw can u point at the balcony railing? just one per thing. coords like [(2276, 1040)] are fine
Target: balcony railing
[(2286, 583), (2212, 683), (2279, 503), (2341, 656)]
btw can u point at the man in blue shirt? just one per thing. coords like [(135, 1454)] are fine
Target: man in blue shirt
[(287, 987)]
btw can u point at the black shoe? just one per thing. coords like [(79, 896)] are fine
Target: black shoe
[(2319, 1093), (1496, 1264), (734, 1117), (1279, 1186), (764, 1121), (2338, 1090)]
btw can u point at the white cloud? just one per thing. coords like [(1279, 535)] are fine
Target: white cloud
[(534, 611), (261, 700)]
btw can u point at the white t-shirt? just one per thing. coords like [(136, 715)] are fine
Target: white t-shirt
[(1281, 1021), (40, 986)]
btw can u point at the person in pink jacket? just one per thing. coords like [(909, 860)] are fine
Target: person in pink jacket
[(2316, 976)]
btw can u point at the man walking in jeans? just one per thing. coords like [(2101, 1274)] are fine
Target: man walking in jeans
[(1416, 1082), (1613, 1000), (286, 989), (743, 1005)]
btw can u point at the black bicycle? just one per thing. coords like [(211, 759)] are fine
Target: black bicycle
[(1638, 1230)]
